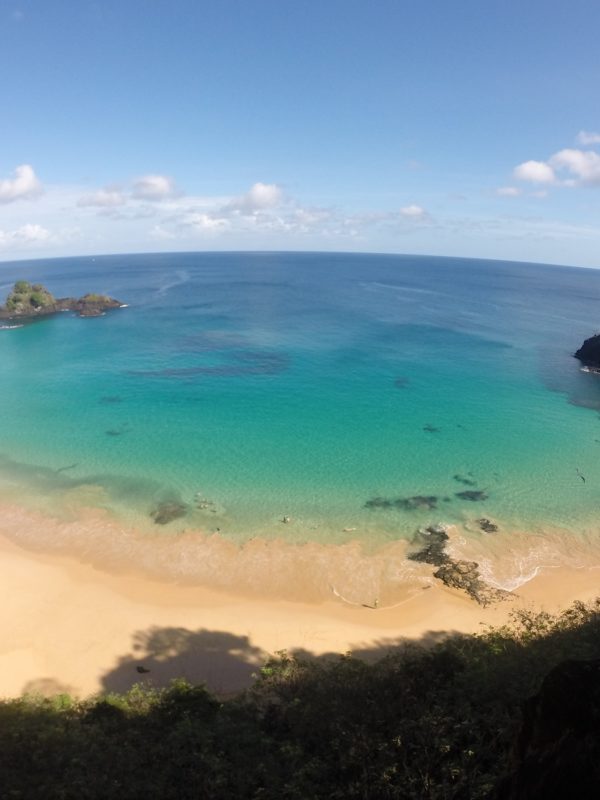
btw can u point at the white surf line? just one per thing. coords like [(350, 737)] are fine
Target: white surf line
[(376, 606)]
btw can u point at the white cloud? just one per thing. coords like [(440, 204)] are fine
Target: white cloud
[(414, 212), (103, 198), (24, 185), (584, 165), (26, 234), (207, 222), (508, 191), (535, 172), (588, 137), (259, 197), (155, 187), (568, 167), (158, 232)]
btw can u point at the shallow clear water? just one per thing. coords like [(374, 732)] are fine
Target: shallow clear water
[(306, 385)]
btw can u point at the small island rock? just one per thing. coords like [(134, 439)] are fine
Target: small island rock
[(29, 301)]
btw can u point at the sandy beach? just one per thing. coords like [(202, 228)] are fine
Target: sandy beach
[(66, 625)]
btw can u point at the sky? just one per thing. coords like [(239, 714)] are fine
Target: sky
[(467, 128)]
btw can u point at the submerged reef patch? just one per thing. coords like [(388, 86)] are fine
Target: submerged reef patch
[(414, 503), (246, 362), (487, 526), (473, 495), (465, 481), (167, 512), (116, 431)]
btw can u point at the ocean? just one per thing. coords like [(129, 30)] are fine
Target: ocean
[(355, 396)]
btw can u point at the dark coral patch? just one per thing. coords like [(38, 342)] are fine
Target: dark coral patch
[(473, 495), (167, 512), (414, 503), (463, 480)]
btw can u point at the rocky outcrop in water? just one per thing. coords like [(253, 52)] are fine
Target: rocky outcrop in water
[(418, 502), (487, 526), (558, 750), (472, 495), (455, 573), (167, 512), (432, 541), (30, 301), (589, 352)]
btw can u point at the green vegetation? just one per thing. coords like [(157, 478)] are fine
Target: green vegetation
[(95, 298), (25, 297), (435, 721)]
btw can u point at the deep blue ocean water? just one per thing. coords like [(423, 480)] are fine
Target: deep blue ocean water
[(330, 388)]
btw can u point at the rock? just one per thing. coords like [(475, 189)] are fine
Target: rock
[(167, 512), (465, 575), (433, 542), (463, 480), (29, 301), (94, 305), (473, 495), (415, 503), (418, 501), (457, 574), (589, 352), (557, 754), (487, 526)]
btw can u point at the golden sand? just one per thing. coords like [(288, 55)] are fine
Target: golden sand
[(78, 618)]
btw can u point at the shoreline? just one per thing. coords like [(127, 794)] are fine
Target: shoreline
[(67, 625)]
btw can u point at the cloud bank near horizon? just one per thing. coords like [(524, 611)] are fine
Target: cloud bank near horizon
[(153, 211), (154, 207)]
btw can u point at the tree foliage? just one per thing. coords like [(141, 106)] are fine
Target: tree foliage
[(434, 721)]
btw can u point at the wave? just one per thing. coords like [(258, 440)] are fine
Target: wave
[(181, 276), (311, 571)]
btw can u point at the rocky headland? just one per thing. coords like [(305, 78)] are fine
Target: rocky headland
[(30, 301), (589, 352)]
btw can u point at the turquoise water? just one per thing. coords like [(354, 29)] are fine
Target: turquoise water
[(306, 385)]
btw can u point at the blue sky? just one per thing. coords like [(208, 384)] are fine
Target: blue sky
[(456, 128)]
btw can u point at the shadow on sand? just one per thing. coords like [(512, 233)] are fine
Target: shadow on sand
[(225, 662)]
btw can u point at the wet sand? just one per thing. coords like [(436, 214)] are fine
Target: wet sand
[(66, 625)]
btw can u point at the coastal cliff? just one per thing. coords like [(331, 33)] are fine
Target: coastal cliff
[(589, 352), (28, 301)]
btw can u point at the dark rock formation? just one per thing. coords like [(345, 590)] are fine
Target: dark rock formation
[(465, 575), (433, 542), (473, 495), (589, 352), (456, 574), (167, 512), (558, 750), (463, 480), (487, 526), (415, 503), (30, 301)]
